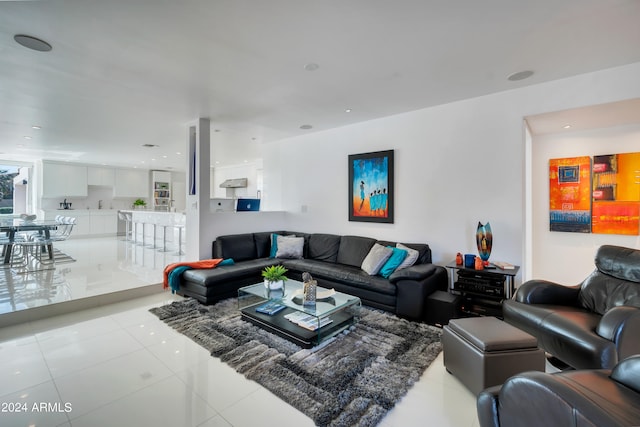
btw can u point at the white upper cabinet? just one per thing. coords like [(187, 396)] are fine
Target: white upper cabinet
[(64, 180), (101, 176), (131, 183)]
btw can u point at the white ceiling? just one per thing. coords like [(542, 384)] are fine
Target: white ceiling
[(620, 113), (126, 73)]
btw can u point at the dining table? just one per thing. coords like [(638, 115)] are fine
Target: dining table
[(11, 226)]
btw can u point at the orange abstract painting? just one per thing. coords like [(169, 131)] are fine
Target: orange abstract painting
[(570, 194), (616, 194)]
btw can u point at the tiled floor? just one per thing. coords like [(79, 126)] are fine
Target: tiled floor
[(118, 365), (103, 265)]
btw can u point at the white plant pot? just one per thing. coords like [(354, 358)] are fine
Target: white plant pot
[(273, 285)]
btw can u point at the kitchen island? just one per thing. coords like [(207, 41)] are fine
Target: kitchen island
[(155, 229)]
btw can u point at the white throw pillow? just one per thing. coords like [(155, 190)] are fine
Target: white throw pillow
[(375, 259), (289, 247), (412, 256)]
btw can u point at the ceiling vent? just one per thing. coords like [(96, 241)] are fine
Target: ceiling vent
[(234, 183)]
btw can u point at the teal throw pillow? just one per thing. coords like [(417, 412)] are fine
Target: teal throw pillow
[(393, 262), (274, 245)]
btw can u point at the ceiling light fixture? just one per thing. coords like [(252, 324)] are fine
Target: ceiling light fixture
[(26, 137), (311, 66), (32, 43), (305, 127), (36, 127), (150, 145), (348, 110), (566, 126), (520, 75)]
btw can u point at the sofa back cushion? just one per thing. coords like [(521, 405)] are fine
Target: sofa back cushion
[(615, 282), (324, 247), (240, 247), (353, 250)]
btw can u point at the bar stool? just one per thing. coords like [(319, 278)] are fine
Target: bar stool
[(153, 245), (180, 227), (137, 222), (164, 238), (126, 217)]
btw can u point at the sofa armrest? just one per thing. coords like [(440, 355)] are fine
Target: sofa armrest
[(413, 287), (487, 407), (627, 372), (415, 272), (545, 292), (620, 325)]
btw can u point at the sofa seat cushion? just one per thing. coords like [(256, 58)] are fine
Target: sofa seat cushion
[(226, 273), (568, 333), (352, 276)]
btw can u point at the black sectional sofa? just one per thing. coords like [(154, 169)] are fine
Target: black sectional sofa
[(334, 261)]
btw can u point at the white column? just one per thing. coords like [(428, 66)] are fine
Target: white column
[(198, 246)]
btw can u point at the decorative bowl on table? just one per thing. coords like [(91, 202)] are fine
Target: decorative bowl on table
[(28, 218)]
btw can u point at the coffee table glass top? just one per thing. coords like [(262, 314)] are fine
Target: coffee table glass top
[(291, 297)]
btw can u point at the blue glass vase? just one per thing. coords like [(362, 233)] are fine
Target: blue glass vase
[(484, 240)]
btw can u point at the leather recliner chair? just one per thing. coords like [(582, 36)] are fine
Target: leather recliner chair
[(589, 326), (598, 397)]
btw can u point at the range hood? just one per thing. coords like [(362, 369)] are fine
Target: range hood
[(234, 183)]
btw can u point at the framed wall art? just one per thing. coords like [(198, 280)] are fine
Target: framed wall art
[(570, 194), (371, 187)]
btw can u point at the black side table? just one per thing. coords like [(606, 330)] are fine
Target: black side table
[(482, 291)]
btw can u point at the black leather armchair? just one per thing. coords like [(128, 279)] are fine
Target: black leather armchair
[(589, 326), (598, 397)]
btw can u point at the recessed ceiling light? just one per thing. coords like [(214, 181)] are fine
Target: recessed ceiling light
[(566, 126), (33, 43), (164, 157), (36, 127), (305, 127), (26, 137), (348, 110), (311, 66), (520, 75), (178, 153)]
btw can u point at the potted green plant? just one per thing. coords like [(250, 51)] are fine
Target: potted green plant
[(274, 276), (139, 204)]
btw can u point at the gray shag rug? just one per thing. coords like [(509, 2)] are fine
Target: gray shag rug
[(354, 380)]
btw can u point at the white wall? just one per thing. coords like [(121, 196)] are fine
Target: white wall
[(222, 173), (568, 257), (455, 165)]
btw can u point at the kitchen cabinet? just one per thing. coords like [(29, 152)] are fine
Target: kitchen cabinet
[(103, 222), (63, 180), (89, 222), (101, 176), (131, 183)]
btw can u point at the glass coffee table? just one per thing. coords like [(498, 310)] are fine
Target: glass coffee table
[(281, 312)]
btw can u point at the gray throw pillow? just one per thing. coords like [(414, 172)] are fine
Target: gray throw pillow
[(375, 259), (289, 247), (411, 258)]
